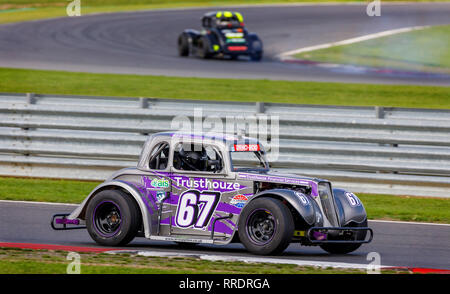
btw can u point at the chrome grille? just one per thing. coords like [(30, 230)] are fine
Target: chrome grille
[(327, 201)]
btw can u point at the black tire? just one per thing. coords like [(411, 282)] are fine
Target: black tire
[(203, 48), (347, 247), (266, 226), (256, 56), (256, 48), (112, 218), (183, 45)]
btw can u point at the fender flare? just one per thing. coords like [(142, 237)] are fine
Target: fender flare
[(191, 34), (306, 210), (129, 188), (350, 208)]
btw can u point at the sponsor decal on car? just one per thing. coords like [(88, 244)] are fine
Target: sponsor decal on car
[(160, 183), (239, 201), (160, 195), (246, 147), (275, 179), (205, 183), (237, 48), (232, 35), (235, 40)]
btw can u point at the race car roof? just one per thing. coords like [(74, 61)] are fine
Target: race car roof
[(225, 15), (229, 139)]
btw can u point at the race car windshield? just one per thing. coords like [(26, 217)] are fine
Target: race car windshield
[(248, 160)]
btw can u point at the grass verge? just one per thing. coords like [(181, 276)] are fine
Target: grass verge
[(386, 207), (72, 83), (26, 10), (45, 190), (407, 208), (26, 261), (421, 50)]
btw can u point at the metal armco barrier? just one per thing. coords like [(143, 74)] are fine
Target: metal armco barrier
[(365, 149)]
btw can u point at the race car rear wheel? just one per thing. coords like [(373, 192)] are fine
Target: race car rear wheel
[(265, 226), (112, 218), (346, 247), (183, 45)]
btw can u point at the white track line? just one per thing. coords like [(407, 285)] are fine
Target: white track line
[(247, 259), (287, 54), (408, 223), (38, 203)]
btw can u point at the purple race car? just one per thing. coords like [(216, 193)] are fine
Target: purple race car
[(217, 189)]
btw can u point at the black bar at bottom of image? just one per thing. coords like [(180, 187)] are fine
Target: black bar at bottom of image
[(201, 283)]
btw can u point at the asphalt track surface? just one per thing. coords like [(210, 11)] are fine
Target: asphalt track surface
[(399, 244), (145, 42)]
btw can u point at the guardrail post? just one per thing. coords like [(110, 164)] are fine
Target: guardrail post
[(31, 99), (379, 111), (260, 107), (143, 102)]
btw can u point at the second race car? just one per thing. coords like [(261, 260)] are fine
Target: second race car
[(223, 35)]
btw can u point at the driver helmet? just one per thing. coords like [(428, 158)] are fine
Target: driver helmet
[(194, 159)]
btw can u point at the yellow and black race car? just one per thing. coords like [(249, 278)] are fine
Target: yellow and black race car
[(223, 35)]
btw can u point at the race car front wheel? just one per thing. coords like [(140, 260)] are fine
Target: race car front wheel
[(256, 48), (265, 226), (112, 218), (256, 56)]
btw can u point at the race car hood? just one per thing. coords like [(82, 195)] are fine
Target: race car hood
[(274, 177)]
